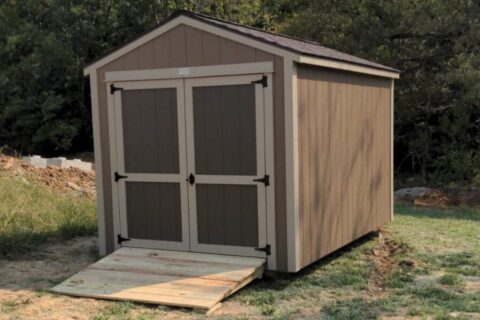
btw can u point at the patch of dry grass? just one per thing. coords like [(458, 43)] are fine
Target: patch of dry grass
[(30, 214)]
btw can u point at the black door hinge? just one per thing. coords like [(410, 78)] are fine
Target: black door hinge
[(191, 179), (262, 81), (265, 180), (118, 176), (121, 239), (113, 89), (265, 249)]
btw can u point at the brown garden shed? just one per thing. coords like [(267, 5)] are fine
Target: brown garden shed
[(214, 137)]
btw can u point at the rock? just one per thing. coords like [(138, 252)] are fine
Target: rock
[(75, 187), (412, 193), (35, 161), (57, 162)]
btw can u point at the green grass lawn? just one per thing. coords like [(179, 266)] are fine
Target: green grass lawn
[(437, 257), (437, 260), (31, 214)]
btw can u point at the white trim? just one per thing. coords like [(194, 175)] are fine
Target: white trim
[(392, 141), (195, 24), (291, 164), (348, 67), (226, 179), (270, 169), (150, 84), (154, 177), (261, 170), (221, 81), (154, 244), (230, 250), (119, 157), (113, 165), (97, 150), (191, 72)]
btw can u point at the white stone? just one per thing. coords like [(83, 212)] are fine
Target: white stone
[(35, 161), (57, 162), (60, 162)]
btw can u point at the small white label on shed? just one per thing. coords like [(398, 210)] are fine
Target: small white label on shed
[(183, 71)]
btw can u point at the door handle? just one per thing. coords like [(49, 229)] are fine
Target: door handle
[(191, 179)]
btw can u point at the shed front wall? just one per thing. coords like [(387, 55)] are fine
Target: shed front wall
[(185, 46), (344, 143)]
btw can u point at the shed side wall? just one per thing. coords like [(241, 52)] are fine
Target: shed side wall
[(344, 139), (184, 46)]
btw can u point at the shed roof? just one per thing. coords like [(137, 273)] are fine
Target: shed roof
[(288, 43)]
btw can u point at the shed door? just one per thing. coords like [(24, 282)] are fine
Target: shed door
[(225, 151), (151, 162)]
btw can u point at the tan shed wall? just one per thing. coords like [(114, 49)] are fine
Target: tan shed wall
[(184, 46), (344, 137)]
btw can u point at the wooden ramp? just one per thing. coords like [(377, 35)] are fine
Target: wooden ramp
[(174, 278)]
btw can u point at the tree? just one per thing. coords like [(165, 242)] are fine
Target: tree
[(436, 46), (46, 44)]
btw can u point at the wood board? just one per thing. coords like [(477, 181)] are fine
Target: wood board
[(175, 278)]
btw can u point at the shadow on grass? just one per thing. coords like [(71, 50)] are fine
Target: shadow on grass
[(18, 243), (342, 268)]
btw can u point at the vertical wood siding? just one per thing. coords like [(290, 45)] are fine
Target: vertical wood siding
[(344, 158), (150, 131), (225, 132), (227, 215), (185, 46), (154, 211)]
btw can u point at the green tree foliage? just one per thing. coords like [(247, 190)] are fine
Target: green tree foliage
[(45, 44), (436, 45), (44, 104)]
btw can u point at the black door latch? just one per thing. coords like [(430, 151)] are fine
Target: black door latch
[(119, 176), (265, 249), (191, 179), (265, 180), (121, 239)]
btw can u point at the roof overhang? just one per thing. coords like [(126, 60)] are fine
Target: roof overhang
[(335, 64), (237, 37)]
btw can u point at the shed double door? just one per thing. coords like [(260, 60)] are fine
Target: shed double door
[(191, 164)]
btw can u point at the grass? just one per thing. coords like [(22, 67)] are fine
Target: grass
[(451, 279), (439, 248), (439, 253), (31, 214)]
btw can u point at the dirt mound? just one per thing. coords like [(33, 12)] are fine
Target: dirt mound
[(383, 256), (71, 180)]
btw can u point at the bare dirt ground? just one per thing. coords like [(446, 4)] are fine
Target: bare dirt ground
[(71, 180), (24, 282)]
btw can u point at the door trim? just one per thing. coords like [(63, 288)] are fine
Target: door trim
[(227, 179), (191, 72), (269, 157), (119, 203)]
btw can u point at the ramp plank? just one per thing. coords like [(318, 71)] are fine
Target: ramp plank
[(174, 278)]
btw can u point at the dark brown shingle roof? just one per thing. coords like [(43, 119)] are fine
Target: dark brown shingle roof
[(282, 41), (286, 42)]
